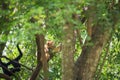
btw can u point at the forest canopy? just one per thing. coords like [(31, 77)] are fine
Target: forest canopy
[(60, 39)]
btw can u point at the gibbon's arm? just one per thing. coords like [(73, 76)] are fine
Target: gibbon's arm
[(15, 62), (20, 52)]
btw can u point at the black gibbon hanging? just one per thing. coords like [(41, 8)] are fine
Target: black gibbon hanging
[(14, 62)]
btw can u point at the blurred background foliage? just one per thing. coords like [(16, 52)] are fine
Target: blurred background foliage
[(20, 20)]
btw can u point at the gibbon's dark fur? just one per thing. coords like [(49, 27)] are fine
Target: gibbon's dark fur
[(14, 62)]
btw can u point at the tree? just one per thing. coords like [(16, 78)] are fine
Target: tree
[(68, 49), (88, 31), (86, 64)]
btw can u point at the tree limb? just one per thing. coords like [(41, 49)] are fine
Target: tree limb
[(41, 60), (5, 76)]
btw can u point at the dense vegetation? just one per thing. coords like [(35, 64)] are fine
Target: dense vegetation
[(81, 26)]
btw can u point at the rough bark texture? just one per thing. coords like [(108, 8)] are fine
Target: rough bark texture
[(67, 53), (87, 62)]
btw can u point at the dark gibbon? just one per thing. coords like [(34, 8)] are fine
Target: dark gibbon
[(15, 62)]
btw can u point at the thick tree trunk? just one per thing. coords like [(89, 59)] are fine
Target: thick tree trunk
[(67, 53), (85, 66)]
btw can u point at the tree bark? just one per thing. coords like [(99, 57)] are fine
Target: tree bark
[(67, 53), (86, 64), (41, 62), (88, 60)]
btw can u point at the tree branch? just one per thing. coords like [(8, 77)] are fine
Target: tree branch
[(5, 76), (41, 59)]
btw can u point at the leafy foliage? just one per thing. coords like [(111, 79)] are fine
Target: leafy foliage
[(21, 20)]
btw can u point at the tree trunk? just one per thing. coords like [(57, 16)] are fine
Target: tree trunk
[(85, 66), (67, 53), (89, 58)]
